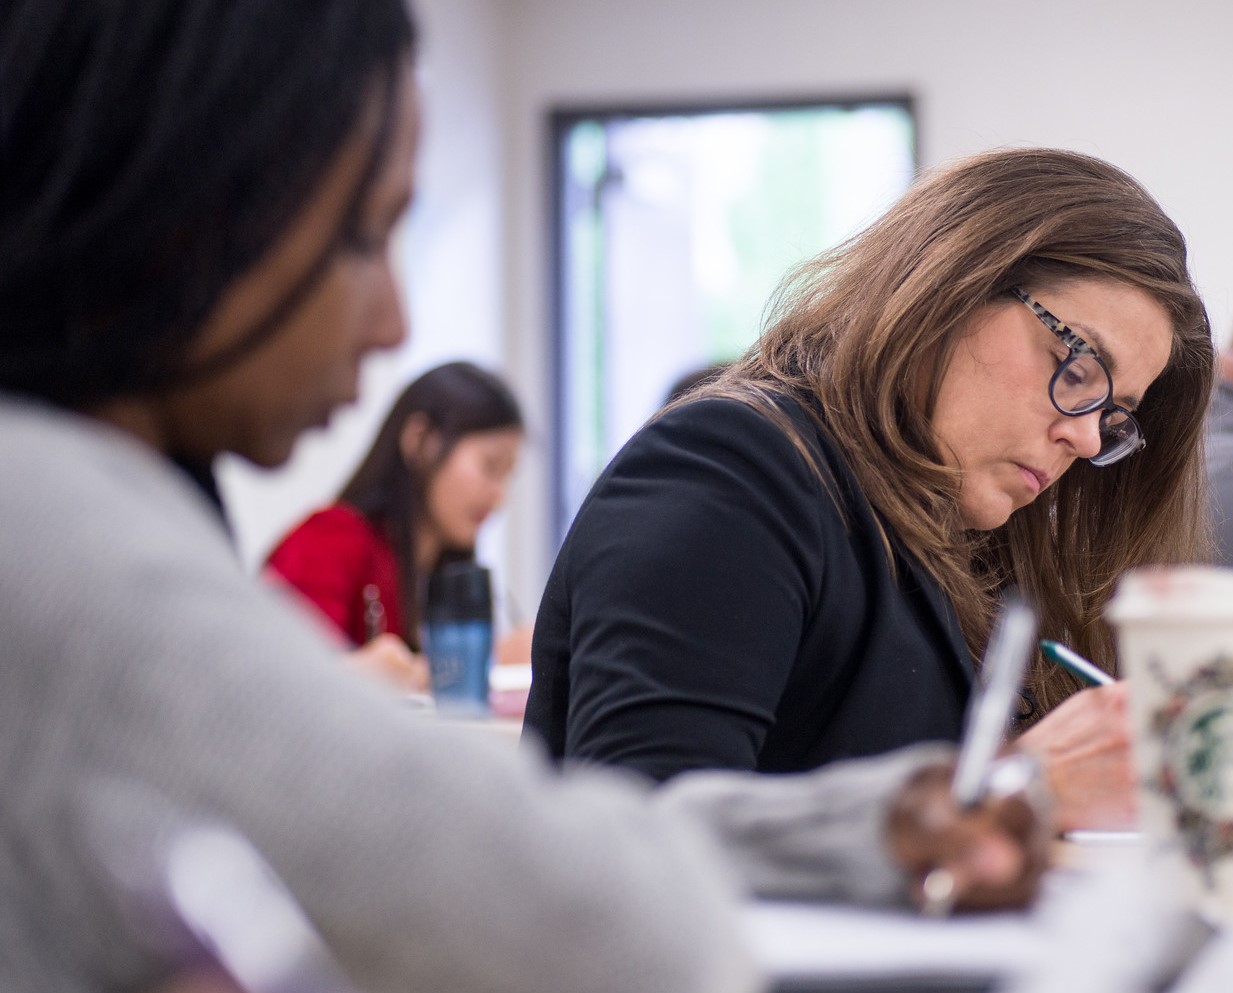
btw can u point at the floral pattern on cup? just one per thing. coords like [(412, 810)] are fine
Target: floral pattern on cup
[(1194, 729)]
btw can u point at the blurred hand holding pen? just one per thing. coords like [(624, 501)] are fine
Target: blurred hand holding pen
[(977, 835), (992, 705)]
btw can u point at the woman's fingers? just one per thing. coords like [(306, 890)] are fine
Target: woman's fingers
[(985, 857)]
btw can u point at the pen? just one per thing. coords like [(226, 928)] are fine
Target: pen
[(1073, 662), (993, 703), (374, 612), (988, 716)]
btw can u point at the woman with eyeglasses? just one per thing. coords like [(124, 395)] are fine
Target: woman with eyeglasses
[(1000, 383)]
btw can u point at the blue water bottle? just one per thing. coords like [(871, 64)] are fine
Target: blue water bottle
[(458, 637)]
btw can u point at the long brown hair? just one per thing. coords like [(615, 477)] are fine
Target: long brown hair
[(455, 399), (856, 331)]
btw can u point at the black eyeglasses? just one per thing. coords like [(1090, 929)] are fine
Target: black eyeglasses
[(1082, 385)]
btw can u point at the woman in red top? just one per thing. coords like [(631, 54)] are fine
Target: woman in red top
[(438, 467)]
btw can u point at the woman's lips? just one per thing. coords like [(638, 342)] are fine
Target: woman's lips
[(1035, 479)]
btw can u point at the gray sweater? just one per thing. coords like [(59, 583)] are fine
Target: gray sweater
[(147, 682)]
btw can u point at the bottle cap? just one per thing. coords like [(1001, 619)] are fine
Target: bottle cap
[(459, 591)]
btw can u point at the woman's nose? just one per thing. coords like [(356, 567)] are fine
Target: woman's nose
[(388, 326), (498, 492), (1081, 433)]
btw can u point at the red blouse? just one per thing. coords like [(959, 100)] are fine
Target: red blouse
[(332, 558)]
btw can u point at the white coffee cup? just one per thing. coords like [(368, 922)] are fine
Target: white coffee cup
[(1175, 641)]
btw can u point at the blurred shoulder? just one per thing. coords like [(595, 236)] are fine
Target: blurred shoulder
[(340, 520), (768, 429), (58, 462), (742, 418)]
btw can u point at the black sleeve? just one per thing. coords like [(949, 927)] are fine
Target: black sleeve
[(691, 570)]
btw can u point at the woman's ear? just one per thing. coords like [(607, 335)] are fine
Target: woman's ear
[(419, 442)]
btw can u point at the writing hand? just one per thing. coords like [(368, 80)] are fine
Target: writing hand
[(991, 855), (388, 658), (1084, 746)]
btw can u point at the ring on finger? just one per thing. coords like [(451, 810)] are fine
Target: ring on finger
[(938, 888)]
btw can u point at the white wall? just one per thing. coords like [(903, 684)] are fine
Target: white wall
[(1142, 83), (449, 256)]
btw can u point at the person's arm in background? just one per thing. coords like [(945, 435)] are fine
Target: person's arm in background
[(514, 647), (869, 830), (327, 561), (388, 659)]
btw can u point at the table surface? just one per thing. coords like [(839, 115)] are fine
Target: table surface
[(831, 948), (818, 948)]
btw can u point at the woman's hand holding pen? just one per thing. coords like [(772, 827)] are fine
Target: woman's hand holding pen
[(990, 855), (388, 658), (1085, 748)]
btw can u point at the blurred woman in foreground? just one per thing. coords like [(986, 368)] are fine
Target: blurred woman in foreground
[(195, 221)]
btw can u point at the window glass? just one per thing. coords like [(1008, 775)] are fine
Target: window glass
[(673, 230)]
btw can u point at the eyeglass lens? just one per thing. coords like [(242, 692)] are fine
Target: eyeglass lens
[(1119, 437), (1080, 385)]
